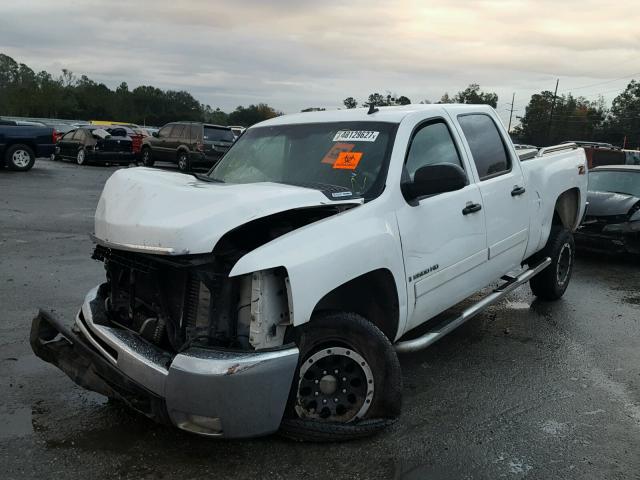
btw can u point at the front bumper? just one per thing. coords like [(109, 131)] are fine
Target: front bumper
[(233, 394), (608, 241)]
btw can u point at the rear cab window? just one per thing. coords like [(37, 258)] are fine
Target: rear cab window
[(216, 134), (487, 146)]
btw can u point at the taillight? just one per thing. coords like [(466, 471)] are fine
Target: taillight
[(55, 136)]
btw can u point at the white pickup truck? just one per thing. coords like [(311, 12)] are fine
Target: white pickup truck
[(275, 291)]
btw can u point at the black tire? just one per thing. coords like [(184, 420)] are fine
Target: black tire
[(184, 165), (19, 158), (552, 282), (353, 336), (146, 157), (81, 156)]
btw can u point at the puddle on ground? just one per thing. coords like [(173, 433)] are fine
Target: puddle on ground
[(517, 305), (16, 423)]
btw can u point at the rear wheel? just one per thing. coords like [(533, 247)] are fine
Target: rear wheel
[(348, 383), (183, 162), (552, 282), (147, 157), (20, 158), (81, 157)]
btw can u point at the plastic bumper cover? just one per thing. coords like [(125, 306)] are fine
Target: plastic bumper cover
[(232, 394)]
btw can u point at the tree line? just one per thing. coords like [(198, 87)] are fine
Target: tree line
[(25, 93), (547, 119)]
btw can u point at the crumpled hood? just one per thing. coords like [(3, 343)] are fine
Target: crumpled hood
[(154, 208), (605, 204)]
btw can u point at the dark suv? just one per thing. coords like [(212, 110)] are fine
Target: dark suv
[(189, 144)]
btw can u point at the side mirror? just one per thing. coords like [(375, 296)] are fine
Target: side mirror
[(433, 179), (154, 134)]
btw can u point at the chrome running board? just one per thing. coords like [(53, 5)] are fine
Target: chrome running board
[(445, 327)]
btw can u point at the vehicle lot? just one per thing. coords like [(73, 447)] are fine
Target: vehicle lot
[(527, 389)]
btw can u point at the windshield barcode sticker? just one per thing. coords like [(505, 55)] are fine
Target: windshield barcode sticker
[(356, 136)]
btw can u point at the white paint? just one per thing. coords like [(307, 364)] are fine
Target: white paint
[(153, 208)]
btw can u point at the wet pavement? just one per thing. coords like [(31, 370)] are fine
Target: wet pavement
[(525, 390)]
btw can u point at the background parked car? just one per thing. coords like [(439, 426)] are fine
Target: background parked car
[(135, 132), (20, 145), (94, 144), (189, 144), (612, 221)]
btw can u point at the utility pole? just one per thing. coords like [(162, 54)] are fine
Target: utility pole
[(513, 97), (553, 106)]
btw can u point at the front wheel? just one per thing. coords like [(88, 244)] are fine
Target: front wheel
[(348, 383), (20, 158), (551, 283)]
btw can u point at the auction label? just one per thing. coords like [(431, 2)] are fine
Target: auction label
[(355, 136)]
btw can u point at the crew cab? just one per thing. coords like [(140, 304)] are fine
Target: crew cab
[(21, 144), (275, 292)]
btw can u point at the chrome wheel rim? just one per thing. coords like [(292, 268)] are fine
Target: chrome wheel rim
[(80, 158), (145, 157), (182, 162), (563, 268), (336, 385), (20, 158)]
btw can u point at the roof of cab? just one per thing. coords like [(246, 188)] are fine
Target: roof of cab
[(384, 114)]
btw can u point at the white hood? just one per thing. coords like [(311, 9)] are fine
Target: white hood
[(147, 207)]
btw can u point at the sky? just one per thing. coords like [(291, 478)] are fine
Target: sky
[(294, 54)]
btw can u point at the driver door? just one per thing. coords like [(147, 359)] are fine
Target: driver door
[(443, 236)]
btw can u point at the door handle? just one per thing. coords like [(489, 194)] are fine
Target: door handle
[(471, 208), (517, 190)]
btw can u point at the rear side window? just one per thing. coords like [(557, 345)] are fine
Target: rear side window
[(177, 131), (430, 145), (213, 134), (195, 132), (487, 148)]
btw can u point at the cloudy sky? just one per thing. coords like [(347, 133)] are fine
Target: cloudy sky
[(294, 54)]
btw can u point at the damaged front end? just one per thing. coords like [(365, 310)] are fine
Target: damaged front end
[(178, 340), (611, 234)]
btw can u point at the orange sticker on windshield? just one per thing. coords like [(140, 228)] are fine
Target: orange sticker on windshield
[(347, 160), (332, 154)]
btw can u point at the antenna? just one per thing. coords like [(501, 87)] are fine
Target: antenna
[(372, 109)]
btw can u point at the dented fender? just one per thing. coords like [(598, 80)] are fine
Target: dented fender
[(324, 255)]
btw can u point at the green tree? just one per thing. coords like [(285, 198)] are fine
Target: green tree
[(549, 120), (252, 114), (350, 102), (623, 123), (473, 95)]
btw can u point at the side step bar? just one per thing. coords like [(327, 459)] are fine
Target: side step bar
[(443, 328)]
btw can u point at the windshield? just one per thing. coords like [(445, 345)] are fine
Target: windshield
[(626, 182), (212, 134), (352, 156)]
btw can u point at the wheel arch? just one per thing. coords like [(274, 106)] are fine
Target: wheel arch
[(372, 295), (567, 209)]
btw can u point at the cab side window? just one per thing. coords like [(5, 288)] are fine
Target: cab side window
[(487, 147), (431, 144)]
